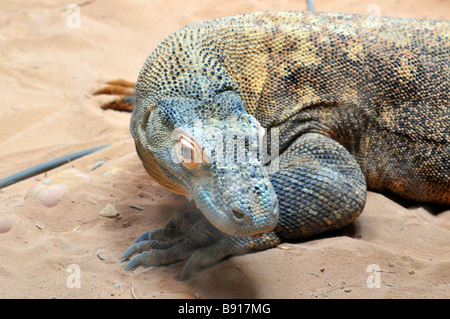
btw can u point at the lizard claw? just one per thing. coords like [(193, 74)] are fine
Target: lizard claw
[(154, 253), (130, 251), (123, 90), (192, 238), (139, 260)]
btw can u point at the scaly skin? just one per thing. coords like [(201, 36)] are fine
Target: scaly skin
[(356, 102)]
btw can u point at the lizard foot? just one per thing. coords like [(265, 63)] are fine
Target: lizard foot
[(125, 92), (190, 237)]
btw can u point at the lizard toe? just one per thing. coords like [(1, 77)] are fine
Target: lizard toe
[(144, 245), (155, 257)]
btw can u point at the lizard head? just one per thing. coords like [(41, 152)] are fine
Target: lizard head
[(211, 151)]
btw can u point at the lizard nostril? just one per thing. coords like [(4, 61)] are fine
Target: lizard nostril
[(238, 215)]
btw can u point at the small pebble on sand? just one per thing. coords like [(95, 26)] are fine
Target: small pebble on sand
[(109, 211), (5, 223)]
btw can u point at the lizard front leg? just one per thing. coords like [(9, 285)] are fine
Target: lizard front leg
[(319, 187), (191, 237)]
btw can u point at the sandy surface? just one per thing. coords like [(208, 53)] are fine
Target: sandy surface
[(47, 74)]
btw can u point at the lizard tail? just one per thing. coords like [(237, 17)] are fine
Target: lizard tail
[(125, 92)]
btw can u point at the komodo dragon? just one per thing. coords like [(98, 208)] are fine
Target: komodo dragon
[(350, 102)]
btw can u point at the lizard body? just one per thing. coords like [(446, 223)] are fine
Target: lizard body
[(349, 101)]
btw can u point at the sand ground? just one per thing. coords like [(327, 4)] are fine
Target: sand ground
[(48, 71)]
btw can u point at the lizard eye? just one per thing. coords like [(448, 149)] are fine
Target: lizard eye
[(189, 152)]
